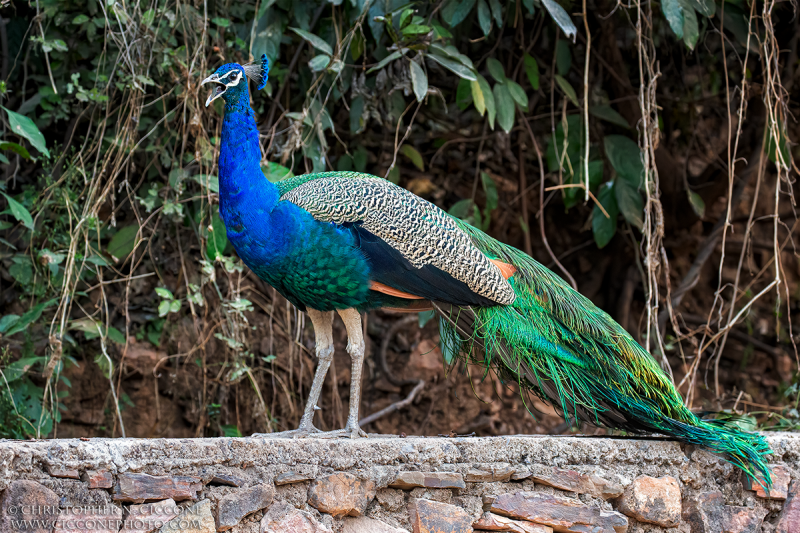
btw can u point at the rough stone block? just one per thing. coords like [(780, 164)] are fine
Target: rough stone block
[(226, 479), (789, 520), (707, 513), (149, 516), (781, 476), (104, 519), (283, 518), (139, 488), (195, 519), (60, 471), (495, 522), (98, 479), (235, 506), (428, 516), (576, 482), (653, 500), (41, 502), (431, 480), (341, 494), (368, 525), (291, 477), (562, 514), (486, 475)]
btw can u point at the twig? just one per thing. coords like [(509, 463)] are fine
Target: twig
[(387, 338), (394, 407), (523, 186), (541, 208), (586, 105), (580, 186)]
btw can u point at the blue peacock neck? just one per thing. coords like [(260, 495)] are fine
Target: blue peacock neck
[(240, 175)]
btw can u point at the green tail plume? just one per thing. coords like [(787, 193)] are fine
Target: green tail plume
[(554, 342)]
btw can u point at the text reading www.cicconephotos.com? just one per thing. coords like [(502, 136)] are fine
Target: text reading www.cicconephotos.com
[(99, 524)]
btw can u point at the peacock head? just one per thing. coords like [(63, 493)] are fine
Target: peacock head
[(229, 78)]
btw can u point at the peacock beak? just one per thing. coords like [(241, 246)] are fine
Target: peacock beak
[(216, 92), (213, 77)]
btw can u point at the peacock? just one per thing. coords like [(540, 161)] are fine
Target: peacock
[(349, 242)]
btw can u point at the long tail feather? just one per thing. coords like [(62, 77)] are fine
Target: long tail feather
[(554, 342)]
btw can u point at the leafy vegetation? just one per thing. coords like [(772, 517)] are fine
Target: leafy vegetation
[(111, 240)]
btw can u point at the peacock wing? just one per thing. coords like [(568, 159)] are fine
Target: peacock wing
[(412, 245)]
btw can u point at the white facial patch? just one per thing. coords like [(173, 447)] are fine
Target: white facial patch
[(235, 77)]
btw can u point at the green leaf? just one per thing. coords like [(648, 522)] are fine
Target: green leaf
[(230, 431), (275, 172), (496, 70), (357, 46), (461, 209), (629, 202), (455, 11), (778, 152), (412, 153), (357, 122), (416, 29), (484, 17), (490, 188), (704, 7), (453, 66), (217, 238), (626, 158), (607, 113), (563, 57), (20, 367), (16, 148), (7, 322), (505, 107), (122, 243), (163, 308), (604, 227), (674, 13), (222, 22), (25, 127), (497, 12), (147, 18), (568, 90), (477, 96), (518, 93), (164, 293), (314, 41), (488, 100), (419, 81), (19, 212), (319, 62), (698, 205), (531, 70), (691, 31), (30, 316), (464, 93), (207, 181), (4, 160), (80, 19), (561, 17), (174, 306), (116, 335), (388, 59)]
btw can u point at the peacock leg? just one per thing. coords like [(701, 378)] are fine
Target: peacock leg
[(355, 347), (323, 333)]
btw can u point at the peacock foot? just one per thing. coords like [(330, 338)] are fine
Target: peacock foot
[(302, 432), (352, 432)]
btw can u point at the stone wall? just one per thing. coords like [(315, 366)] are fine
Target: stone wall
[(390, 485)]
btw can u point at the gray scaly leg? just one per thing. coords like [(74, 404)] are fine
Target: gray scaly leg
[(355, 347), (323, 332)]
